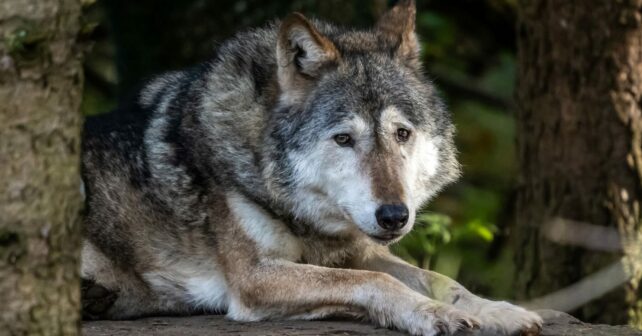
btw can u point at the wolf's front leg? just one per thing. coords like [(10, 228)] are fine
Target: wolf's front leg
[(496, 317), (279, 289)]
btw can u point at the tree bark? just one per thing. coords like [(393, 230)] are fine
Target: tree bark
[(40, 197), (580, 146)]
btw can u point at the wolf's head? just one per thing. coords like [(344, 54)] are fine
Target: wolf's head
[(359, 138)]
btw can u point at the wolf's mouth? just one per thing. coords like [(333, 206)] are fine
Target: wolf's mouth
[(386, 238)]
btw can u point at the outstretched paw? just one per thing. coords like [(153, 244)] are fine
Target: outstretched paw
[(96, 299), (503, 318), (433, 319)]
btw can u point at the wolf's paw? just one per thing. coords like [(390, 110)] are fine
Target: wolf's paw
[(96, 300), (433, 319), (503, 318)]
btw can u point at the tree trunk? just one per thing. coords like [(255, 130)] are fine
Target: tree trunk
[(40, 198), (580, 148)]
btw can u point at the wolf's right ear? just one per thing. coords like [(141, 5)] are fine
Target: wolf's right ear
[(302, 53), (398, 24)]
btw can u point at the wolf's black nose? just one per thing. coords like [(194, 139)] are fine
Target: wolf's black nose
[(392, 216)]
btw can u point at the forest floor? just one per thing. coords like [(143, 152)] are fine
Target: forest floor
[(557, 324)]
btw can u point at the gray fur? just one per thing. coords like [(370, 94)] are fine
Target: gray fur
[(210, 187), (196, 134), (223, 188)]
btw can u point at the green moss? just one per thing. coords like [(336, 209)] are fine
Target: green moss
[(25, 42)]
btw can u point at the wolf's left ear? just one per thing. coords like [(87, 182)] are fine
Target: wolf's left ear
[(302, 53), (398, 24)]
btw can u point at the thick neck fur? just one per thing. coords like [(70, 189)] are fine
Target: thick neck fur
[(227, 129)]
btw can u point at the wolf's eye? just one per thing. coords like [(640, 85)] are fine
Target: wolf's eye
[(343, 140), (403, 134)]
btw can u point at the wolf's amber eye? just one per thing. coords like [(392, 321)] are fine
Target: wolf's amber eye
[(403, 134), (343, 140)]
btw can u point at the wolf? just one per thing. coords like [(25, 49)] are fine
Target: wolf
[(268, 182)]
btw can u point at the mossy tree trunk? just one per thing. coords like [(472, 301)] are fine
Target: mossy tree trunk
[(580, 144), (40, 198)]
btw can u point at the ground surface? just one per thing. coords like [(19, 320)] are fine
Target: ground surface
[(557, 324)]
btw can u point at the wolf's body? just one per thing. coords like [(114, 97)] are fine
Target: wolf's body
[(266, 182)]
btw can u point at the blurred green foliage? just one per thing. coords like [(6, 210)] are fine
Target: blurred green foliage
[(468, 50), (432, 231)]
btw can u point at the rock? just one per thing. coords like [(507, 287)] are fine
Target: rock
[(218, 325), (557, 324), (562, 324)]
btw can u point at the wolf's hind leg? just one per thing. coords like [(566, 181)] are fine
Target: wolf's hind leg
[(96, 300), (109, 292), (125, 302)]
